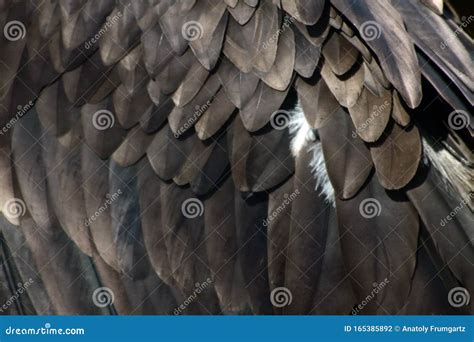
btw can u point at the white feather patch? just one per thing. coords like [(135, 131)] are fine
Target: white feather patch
[(303, 138), (455, 174), (299, 129)]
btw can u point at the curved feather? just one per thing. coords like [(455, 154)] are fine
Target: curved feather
[(394, 47)]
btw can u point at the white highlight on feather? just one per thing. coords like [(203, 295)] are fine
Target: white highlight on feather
[(303, 138), (320, 172), (299, 129), (454, 173)]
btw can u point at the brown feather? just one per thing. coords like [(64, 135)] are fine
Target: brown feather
[(241, 12), (397, 156), (394, 47), (379, 236), (306, 11), (346, 90), (371, 114), (214, 118), (399, 113), (347, 158), (258, 111), (339, 53), (307, 55), (191, 84), (239, 86), (281, 72), (317, 102), (133, 147)]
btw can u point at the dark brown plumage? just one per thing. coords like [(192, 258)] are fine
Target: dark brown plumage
[(153, 148)]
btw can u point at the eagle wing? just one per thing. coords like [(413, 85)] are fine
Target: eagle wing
[(236, 157)]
